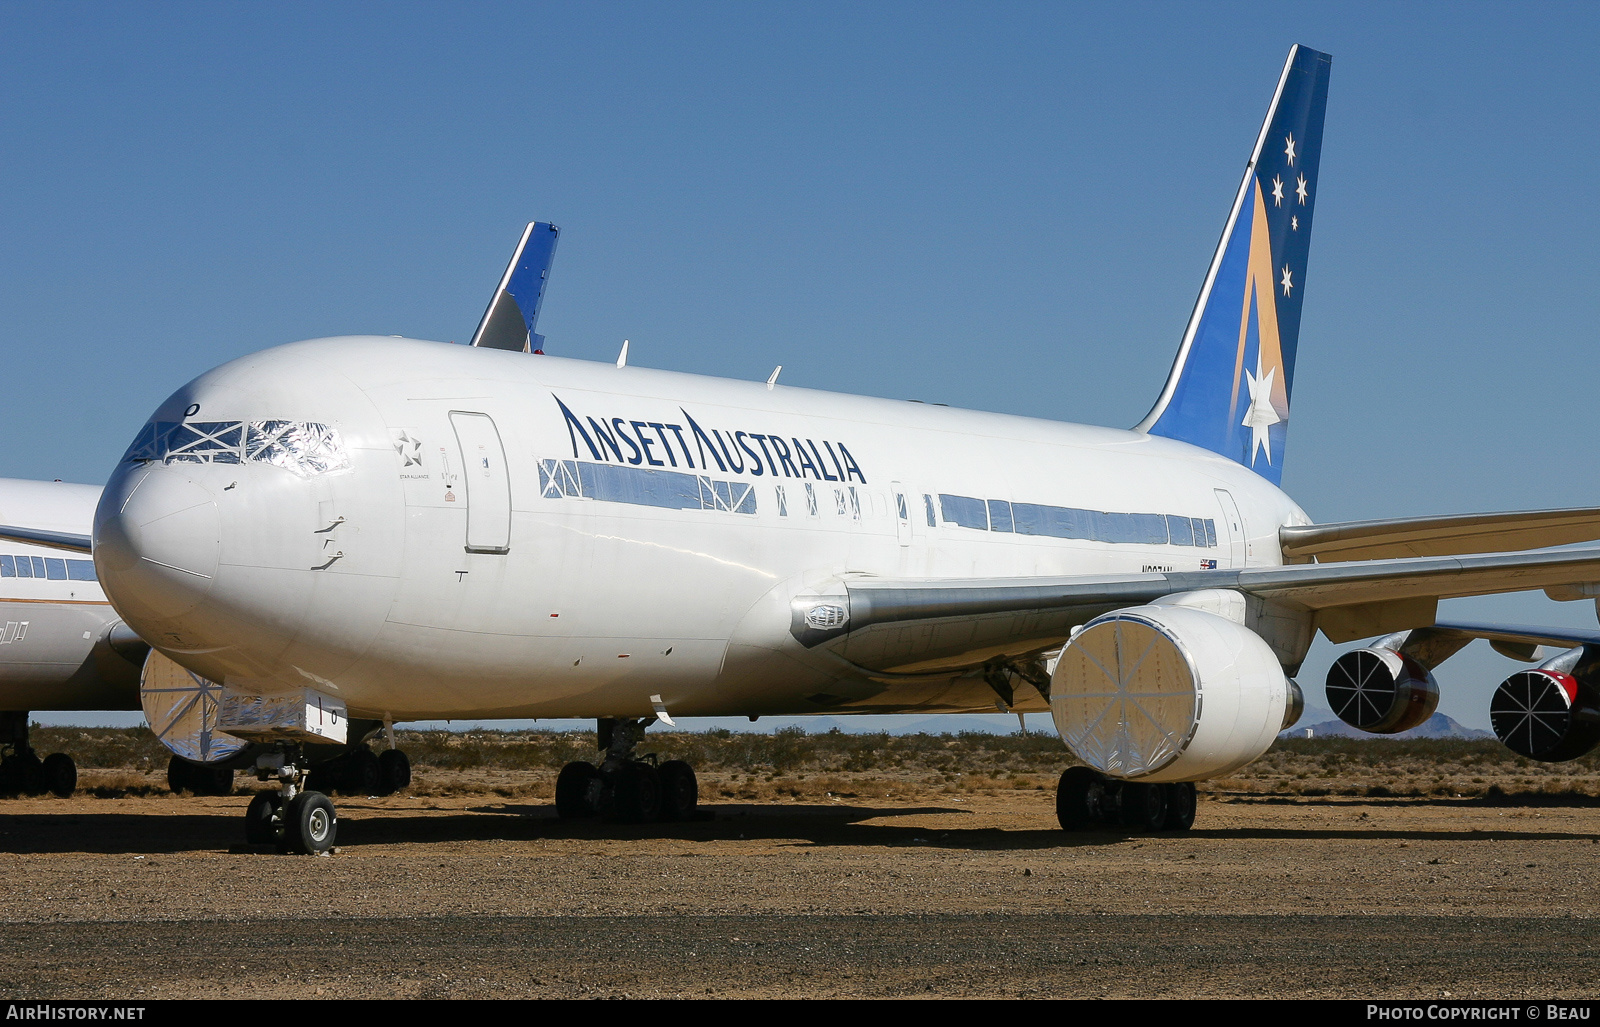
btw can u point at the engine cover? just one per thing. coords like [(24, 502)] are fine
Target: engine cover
[(1546, 715), (1381, 691), (1167, 693)]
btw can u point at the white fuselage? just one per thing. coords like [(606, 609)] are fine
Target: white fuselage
[(55, 620), (485, 533)]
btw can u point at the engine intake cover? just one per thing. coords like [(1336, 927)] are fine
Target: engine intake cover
[(1546, 715), (1380, 690), (1167, 693)]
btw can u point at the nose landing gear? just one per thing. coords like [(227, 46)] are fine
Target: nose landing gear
[(626, 789), (293, 819)]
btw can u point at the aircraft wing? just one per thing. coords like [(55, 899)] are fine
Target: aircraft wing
[(1515, 635), (1439, 536), (69, 541), (928, 625)]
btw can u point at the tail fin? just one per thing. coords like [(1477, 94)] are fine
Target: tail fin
[(514, 311), (1229, 387)]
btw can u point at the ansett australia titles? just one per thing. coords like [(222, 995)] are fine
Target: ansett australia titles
[(665, 444)]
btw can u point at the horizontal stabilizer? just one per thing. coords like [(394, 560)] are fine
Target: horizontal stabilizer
[(72, 543), (513, 314), (1439, 536)]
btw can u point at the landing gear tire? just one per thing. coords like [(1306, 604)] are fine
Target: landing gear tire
[(260, 818), (680, 792), (394, 771), (309, 824), (634, 796), (59, 774), (20, 773), (1144, 806), (362, 775), (1181, 804), (199, 778), (1074, 809), (573, 785)]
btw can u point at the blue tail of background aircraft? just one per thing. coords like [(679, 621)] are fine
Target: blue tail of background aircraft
[(1230, 385), (513, 313)]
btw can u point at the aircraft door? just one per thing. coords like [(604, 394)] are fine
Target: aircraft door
[(902, 513), (1232, 526), (485, 481)]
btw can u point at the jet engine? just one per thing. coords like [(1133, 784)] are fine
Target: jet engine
[(1550, 713), (1381, 691), (1168, 693)]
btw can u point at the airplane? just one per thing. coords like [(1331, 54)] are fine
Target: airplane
[(341, 533), (62, 646)]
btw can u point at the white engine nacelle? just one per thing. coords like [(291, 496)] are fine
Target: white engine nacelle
[(1167, 693)]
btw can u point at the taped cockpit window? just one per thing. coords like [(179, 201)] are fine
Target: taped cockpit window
[(303, 448)]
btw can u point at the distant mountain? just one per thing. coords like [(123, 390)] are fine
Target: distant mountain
[(1436, 726)]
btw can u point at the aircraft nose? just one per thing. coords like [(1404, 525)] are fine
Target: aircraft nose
[(156, 542)]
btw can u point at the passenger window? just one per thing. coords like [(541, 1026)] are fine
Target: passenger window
[(783, 503), (55, 569), (927, 507), (24, 567), (811, 500), (8, 567)]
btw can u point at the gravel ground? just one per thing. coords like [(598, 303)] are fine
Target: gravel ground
[(981, 896)]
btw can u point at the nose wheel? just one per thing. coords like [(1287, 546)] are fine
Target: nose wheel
[(290, 818)]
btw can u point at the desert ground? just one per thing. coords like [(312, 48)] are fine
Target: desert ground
[(852, 866)]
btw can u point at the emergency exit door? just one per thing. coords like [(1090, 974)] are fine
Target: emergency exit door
[(486, 482)]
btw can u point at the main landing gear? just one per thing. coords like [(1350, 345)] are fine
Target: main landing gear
[(291, 818), (1086, 799), (22, 772), (360, 771), (624, 788), (198, 778)]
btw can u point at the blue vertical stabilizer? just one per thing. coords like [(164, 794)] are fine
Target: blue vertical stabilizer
[(513, 313), (1230, 385)]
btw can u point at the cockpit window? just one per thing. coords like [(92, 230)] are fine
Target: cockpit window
[(301, 447)]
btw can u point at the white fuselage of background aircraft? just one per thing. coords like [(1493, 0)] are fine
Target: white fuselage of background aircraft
[(55, 620), (484, 533)]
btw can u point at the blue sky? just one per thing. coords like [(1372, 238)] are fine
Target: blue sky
[(1003, 206)]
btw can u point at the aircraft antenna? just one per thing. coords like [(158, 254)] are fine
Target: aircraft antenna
[(774, 379), (622, 358)]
